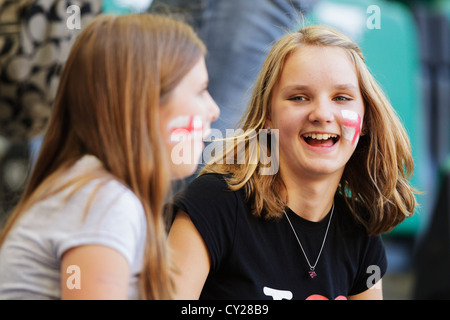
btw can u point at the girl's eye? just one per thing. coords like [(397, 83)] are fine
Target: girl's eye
[(342, 98), (203, 91), (298, 98)]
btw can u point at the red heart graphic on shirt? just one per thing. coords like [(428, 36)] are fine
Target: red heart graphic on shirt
[(320, 297)]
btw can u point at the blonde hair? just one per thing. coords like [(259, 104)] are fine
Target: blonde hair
[(119, 70), (376, 176)]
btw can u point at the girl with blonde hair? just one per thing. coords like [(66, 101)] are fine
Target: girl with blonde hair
[(90, 224), (310, 230)]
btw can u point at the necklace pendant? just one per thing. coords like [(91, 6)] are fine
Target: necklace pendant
[(312, 274)]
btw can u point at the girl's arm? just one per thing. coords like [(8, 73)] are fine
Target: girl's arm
[(374, 293), (94, 272), (190, 256)]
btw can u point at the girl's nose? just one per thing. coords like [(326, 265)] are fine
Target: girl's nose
[(213, 110), (321, 112)]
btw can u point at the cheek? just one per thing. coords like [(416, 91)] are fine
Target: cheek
[(185, 144), (286, 133), (184, 127), (351, 125), (289, 125)]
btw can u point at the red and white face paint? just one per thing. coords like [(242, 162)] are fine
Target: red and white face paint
[(185, 127), (351, 125)]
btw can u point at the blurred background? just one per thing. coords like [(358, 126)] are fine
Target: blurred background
[(407, 48)]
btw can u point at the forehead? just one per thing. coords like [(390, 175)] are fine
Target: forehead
[(197, 74), (320, 66)]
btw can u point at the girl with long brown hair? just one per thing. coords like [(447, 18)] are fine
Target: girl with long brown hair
[(311, 228), (90, 223)]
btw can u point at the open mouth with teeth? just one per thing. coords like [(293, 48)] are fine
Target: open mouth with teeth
[(321, 139)]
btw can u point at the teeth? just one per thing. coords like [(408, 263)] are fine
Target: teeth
[(320, 136)]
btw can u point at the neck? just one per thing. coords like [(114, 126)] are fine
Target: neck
[(311, 199)]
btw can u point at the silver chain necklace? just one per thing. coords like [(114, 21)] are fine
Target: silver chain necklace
[(312, 272)]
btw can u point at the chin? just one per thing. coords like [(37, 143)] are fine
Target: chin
[(325, 170), (183, 171), (185, 158), (320, 165)]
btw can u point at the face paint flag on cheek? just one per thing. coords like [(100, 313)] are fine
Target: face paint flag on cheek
[(185, 127), (351, 125)]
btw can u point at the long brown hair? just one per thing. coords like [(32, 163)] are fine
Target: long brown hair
[(119, 70), (376, 176)]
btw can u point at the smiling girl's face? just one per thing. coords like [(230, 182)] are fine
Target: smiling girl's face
[(318, 109)]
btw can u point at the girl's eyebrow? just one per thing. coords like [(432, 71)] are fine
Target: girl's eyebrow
[(295, 87), (300, 87), (346, 86)]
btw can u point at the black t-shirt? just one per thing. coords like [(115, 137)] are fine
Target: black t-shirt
[(253, 258)]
